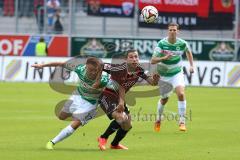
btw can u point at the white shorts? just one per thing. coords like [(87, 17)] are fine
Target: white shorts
[(80, 108), (177, 80)]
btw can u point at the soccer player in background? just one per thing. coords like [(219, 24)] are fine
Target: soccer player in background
[(168, 57), (112, 100), (82, 104)]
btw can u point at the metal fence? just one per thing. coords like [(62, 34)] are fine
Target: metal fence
[(34, 17)]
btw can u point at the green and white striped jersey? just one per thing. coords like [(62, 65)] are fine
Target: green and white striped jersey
[(85, 85), (173, 65)]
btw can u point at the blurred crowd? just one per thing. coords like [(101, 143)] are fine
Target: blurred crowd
[(36, 8)]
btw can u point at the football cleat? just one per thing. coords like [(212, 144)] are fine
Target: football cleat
[(182, 127), (157, 126), (119, 146), (101, 143), (49, 145)]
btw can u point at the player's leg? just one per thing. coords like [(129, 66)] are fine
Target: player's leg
[(122, 124), (63, 115), (102, 140), (108, 102), (122, 132), (81, 111), (65, 111), (165, 91), (160, 108), (179, 86), (121, 121), (113, 126), (64, 133), (181, 107)]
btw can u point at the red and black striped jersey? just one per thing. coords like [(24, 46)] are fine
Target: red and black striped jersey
[(122, 76)]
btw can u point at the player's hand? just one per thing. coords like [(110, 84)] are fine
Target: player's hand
[(191, 69), (38, 66), (96, 85), (120, 107), (155, 78), (167, 56)]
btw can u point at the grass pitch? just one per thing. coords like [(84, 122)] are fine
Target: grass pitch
[(28, 122)]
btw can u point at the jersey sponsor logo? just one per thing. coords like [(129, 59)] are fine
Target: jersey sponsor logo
[(178, 48), (166, 52)]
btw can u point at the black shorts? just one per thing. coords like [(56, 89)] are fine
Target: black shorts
[(108, 102)]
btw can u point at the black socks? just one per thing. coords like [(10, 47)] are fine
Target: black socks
[(119, 136), (111, 129)]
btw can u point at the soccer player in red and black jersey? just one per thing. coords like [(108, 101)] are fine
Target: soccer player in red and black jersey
[(123, 77)]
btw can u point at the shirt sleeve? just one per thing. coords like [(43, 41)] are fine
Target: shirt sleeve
[(79, 68), (157, 51), (104, 80), (118, 72), (107, 67), (187, 47), (142, 74)]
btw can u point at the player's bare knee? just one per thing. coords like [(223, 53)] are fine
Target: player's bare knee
[(61, 117), (126, 125), (75, 124), (164, 100), (181, 96), (119, 119)]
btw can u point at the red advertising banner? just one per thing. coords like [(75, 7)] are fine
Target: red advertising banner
[(13, 45), (24, 45), (191, 14), (224, 6), (200, 7)]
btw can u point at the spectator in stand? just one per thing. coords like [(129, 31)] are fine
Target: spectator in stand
[(8, 8), (58, 27), (39, 13), (1, 7), (52, 7), (25, 8)]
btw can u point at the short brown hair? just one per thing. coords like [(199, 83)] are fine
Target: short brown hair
[(41, 39), (94, 61), (173, 24), (130, 51)]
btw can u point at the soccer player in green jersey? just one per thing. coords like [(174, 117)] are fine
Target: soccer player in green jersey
[(168, 57), (82, 104)]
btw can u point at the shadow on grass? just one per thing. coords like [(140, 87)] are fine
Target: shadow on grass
[(71, 150)]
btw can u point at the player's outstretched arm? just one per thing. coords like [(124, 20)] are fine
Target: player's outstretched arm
[(121, 92), (190, 59), (153, 80), (51, 64), (156, 60)]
